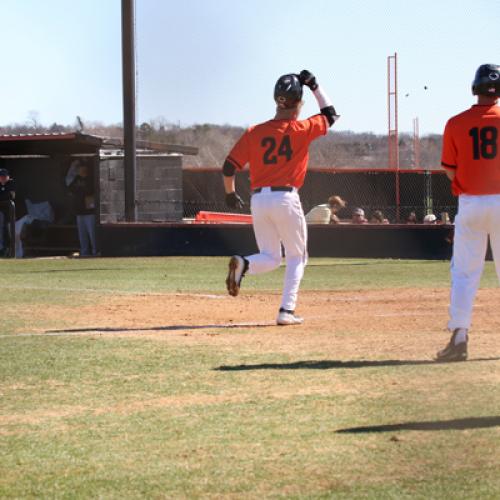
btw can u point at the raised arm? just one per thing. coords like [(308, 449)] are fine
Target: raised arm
[(324, 103)]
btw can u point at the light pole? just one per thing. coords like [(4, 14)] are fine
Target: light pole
[(128, 76)]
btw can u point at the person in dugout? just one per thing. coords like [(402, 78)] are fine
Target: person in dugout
[(7, 194)]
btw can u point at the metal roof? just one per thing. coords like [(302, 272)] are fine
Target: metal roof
[(49, 144), (40, 136), (77, 143), (159, 147)]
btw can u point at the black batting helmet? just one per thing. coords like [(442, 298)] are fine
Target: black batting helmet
[(288, 91), (487, 80)]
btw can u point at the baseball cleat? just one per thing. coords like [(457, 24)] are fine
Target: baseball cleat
[(236, 272), (286, 317), (453, 352)]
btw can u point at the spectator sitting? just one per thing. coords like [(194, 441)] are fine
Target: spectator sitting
[(412, 218), (430, 219), (445, 218), (36, 212), (326, 213), (378, 218), (358, 216), (336, 203)]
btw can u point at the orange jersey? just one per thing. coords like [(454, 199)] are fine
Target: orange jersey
[(471, 146), (277, 150)]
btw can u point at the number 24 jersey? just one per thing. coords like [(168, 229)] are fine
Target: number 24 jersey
[(471, 148), (277, 150)]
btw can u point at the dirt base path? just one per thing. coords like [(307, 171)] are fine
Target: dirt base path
[(409, 322)]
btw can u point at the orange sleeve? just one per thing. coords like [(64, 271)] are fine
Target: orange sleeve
[(449, 152), (240, 154), (318, 126)]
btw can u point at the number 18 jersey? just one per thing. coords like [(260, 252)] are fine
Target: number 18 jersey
[(277, 151), (471, 146)]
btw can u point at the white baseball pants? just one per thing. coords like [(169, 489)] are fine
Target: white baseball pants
[(478, 217), (278, 219)]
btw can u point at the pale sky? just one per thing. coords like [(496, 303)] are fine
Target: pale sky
[(216, 61)]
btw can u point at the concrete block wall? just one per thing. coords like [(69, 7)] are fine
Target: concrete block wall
[(158, 188)]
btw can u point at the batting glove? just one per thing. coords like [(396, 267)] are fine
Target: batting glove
[(233, 200), (308, 79)]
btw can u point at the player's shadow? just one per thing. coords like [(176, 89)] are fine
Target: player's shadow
[(458, 424), (334, 364), (78, 270), (166, 328)]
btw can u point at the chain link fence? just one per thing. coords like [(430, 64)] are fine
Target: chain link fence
[(395, 193)]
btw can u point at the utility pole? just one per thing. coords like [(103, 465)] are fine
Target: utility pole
[(128, 75), (392, 132)]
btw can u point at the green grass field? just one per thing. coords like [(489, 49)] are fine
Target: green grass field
[(235, 413)]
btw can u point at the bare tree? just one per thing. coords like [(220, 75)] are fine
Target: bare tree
[(34, 120)]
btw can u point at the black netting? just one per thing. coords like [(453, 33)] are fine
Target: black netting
[(412, 194), (204, 190), (421, 192), (369, 190), (443, 200)]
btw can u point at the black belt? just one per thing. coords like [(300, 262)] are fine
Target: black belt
[(275, 188)]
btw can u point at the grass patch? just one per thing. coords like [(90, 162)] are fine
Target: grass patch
[(56, 280), (179, 417)]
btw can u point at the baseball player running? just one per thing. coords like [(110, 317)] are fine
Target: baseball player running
[(471, 158), (277, 152)]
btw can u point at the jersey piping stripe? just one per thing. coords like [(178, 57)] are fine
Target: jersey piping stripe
[(234, 162), (446, 165)]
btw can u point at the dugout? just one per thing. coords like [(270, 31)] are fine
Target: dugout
[(39, 164)]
